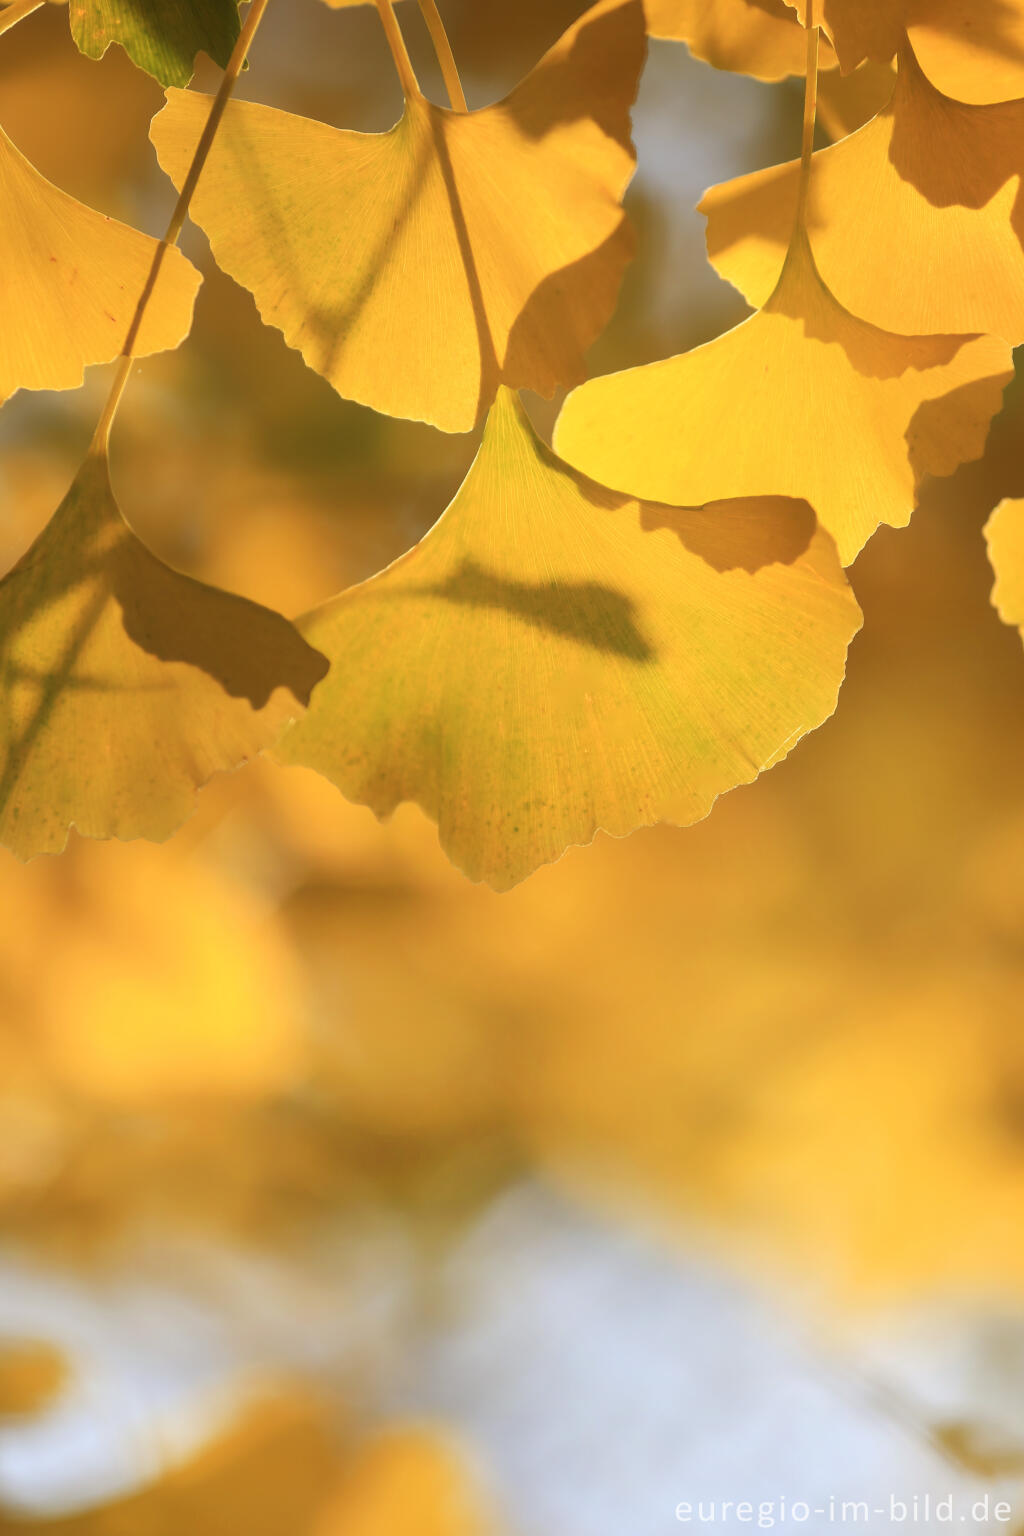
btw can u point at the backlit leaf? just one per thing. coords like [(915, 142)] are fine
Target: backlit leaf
[(160, 36), (930, 190), (553, 659), (71, 280), (973, 52), (970, 51), (419, 268), (802, 399), (125, 685), (1004, 535), (753, 37)]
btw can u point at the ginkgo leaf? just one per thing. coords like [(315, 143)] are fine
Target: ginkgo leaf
[(802, 399), (861, 29), (973, 52), (419, 268), (916, 221), (1004, 535), (125, 685), (553, 659), (847, 102), (164, 38), (71, 280), (752, 37), (970, 51)]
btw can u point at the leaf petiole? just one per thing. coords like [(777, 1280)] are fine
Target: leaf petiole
[(229, 80), (12, 14), (445, 57)]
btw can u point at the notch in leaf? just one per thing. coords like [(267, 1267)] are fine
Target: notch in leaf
[(123, 684), (751, 37), (802, 399), (160, 36), (420, 268), (553, 658)]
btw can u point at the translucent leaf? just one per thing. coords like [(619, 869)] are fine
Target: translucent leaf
[(929, 190), (752, 37), (419, 268), (553, 659), (864, 29), (71, 280), (162, 38), (1004, 535), (126, 685), (803, 399), (847, 102), (972, 50)]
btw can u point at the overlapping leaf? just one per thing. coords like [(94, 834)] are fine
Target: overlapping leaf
[(553, 659), (916, 221), (125, 685), (71, 281), (1004, 535), (803, 399), (418, 269), (973, 52), (753, 37), (161, 38)]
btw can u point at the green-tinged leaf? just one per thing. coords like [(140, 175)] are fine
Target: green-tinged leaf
[(71, 279), (418, 269), (160, 36), (124, 685), (553, 659)]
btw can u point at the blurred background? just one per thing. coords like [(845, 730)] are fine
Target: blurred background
[(340, 1196)]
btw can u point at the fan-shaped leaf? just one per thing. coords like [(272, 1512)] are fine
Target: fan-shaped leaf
[(752, 37), (1004, 535), (419, 268), (553, 659), (71, 280), (125, 685), (802, 399), (161, 36), (916, 221)]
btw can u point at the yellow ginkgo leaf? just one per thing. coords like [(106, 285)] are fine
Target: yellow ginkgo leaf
[(802, 399), (916, 220), (847, 102), (553, 659), (71, 280), (752, 37), (124, 685), (1004, 535), (973, 52), (861, 29), (417, 269)]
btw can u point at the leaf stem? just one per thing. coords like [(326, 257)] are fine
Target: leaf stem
[(810, 114), (399, 52), (445, 57), (101, 437), (12, 14)]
